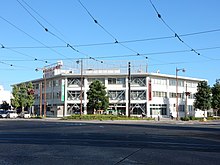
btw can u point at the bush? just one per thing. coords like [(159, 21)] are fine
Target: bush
[(103, 117), (185, 118), (213, 118)]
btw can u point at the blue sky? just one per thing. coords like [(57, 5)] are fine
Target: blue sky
[(21, 35)]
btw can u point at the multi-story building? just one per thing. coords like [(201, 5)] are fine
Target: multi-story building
[(150, 93)]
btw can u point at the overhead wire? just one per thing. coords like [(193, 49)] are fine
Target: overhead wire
[(153, 39), (126, 41), (176, 35), (10, 23), (146, 54), (50, 32), (43, 18), (11, 49), (116, 41)]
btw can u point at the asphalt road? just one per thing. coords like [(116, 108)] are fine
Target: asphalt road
[(30, 142)]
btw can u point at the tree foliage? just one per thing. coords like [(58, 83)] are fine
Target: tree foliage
[(23, 96), (203, 96), (97, 96), (216, 95), (15, 100)]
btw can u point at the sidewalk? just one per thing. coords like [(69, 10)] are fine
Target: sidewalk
[(162, 121)]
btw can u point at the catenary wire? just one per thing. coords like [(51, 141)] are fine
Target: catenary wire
[(10, 23), (176, 35), (34, 58), (126, 41), (96, 22), (47, 30)]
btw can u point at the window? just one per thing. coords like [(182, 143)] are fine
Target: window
[(181, 108), (192, 84), (159, 94), (173, 95), (57, 95), (116, 80), (138, 95), (141, 81), (111, 80), (56, 83), (116, 95), (190, 108), (172, 82), (159, 81), (158, 108)]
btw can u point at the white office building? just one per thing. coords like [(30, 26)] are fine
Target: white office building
[(151, 94)]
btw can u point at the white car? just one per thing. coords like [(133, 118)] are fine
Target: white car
[(12, 114), (25, 115), (3, 114)]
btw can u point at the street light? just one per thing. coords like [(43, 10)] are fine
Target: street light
[(81, 83), (177, 111), (45, 95)]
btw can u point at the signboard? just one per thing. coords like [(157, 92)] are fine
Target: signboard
[(149, 90), (52, 69)]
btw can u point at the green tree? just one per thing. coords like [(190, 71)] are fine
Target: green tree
[(23, 96), (216, 96), (203, 96), (15, 99), (30, 96), (97, 96)]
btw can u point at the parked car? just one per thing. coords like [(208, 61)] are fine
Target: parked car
[(12, 114), (25, 115), (3, 114)]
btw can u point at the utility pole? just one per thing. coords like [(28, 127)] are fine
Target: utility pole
[(177, 104), (186, 108), (81, 83), (129, 89), (46, 73), (40, 99), (45, 96)]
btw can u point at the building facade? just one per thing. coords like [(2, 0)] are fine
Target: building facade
[(151, 94)]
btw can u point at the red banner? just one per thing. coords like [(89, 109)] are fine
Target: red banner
[(149, 91)]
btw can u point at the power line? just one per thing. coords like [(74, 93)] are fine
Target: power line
[(30, 36), (176, 35), (35, 59), (112, 43), (43, 18), (96, 22), (133, 55), (47, 30)]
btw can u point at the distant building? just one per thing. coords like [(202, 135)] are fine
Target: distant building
[(5, 95), (151, 93)]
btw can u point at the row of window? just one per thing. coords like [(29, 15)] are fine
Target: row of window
[(54, 95), (49, 83), (134, 80), (119, 95)]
